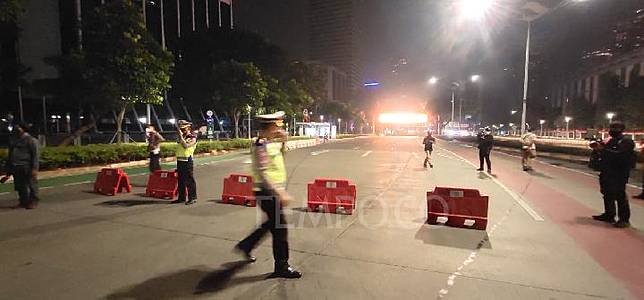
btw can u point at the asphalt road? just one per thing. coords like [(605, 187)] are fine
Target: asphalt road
[(539, 243)]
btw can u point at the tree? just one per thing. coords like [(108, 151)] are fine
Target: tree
[(237, 87), (124, 65), (11, 71), (312, 77), (582, 111), (10, 10)]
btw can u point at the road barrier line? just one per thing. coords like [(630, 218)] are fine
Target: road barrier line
[(316, 153), (366, 153), (565, 168), (517, 198)]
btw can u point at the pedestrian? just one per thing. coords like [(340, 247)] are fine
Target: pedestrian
[(428, 141), (617, 158), (187, 143), (528, 149), (23, 164), (641, 195), (486, 142), (269, 179), (154, 147)]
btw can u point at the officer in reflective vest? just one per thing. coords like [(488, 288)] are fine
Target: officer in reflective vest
[(269, 174), (186, 145)]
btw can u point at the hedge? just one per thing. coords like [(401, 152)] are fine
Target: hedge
[(101, 154)]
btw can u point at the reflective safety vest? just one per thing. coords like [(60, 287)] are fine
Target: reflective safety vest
[(271, 160), (185, 154)]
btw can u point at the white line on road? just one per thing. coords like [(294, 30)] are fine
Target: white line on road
[(564, 168), (512, 194), (356, 148), (316, 153), (77, 183), (366, 153), (47, 187)]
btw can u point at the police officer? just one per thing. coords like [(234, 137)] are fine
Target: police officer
[(23, 163), (186, 145), (428, 141), (486, 142), (616, 160), (269, 174)]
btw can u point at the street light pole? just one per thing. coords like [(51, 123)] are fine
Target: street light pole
[(525, 78), (452, 119)]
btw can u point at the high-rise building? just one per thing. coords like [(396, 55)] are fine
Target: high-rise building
[(333, 35)]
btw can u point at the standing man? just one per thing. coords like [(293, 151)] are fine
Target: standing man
[(428, 141), (528, 149), (617, 159), (187, 144), (154, 147), (22, 164), (270, 177), (486, 142)]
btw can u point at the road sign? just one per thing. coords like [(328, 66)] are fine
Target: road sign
[(209, 113)]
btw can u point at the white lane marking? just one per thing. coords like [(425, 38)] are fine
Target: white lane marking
[(565, 168), (47, 187), (316, 153), (248, 161), (366, 153), (471, 258), (77, 183), (356, 148), (517, 198)]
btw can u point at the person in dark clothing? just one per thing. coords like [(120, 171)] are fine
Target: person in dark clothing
[(23, 164), (269, 174), (154, 147), (486, 142), (428, 141), (616, 161)]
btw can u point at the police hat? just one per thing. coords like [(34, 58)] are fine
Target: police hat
[(275, 118), (184, 124)]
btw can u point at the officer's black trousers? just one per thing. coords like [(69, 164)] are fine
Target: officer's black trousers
[(186, 180), (484, 156), (276, 224), (25, 184), (614, 190)]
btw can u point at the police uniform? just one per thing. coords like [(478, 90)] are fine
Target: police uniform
[(269, 173), (185, 167), (616, 163)]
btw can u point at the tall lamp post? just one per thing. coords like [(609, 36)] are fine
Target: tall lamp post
[(453, 87), (567, 119), (541, 122)]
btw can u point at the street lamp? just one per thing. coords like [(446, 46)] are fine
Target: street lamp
[(567, 119), (541, 122), (249, 124), (474, 9), (339, 125), (433, 80), (610, 117), (321, 118), (512, 112), (475, 78)]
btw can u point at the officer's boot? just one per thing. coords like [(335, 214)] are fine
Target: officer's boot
[(284, 270)]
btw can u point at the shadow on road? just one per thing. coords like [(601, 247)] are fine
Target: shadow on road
[(453, 237), (187, 283), (130, 203), (539, 174)]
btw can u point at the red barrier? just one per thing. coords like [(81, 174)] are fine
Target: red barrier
[(332, 195), (162, 184), (109, 181), (238, 190), (457, 207)]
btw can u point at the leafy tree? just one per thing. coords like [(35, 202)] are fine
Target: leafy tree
[(236, 87), (10, 10), (582, 111), (312, 78), (124, 65), (11, 71)]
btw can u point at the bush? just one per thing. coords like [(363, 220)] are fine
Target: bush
[(101, 154)]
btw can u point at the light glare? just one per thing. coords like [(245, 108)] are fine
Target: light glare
[(402, 118), (474, 9)]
